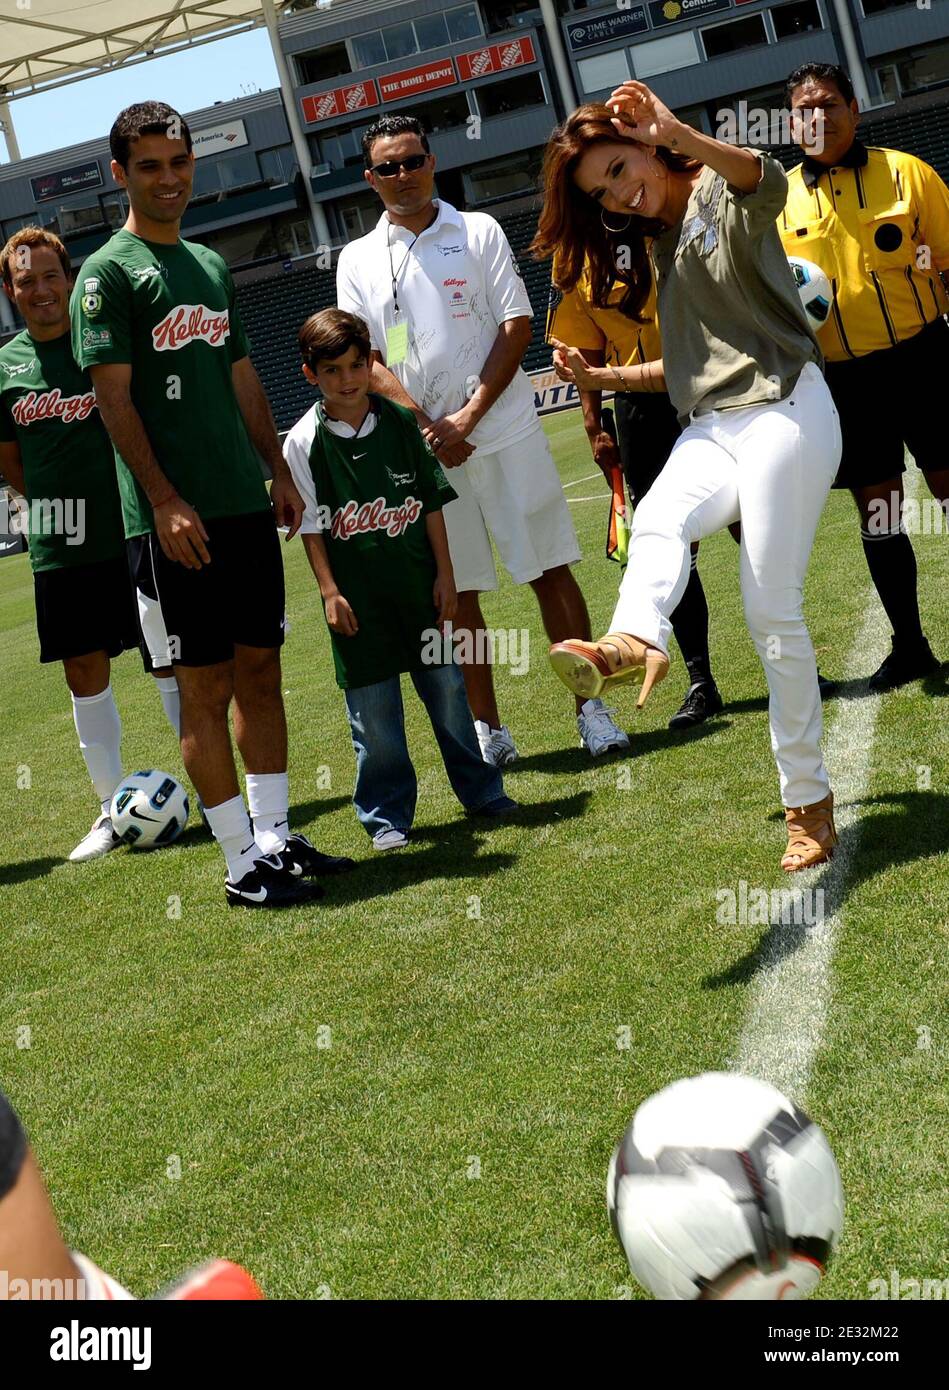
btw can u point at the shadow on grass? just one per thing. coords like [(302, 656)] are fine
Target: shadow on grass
[(452, 850), (579, 760), (27, 869), (916, 828)]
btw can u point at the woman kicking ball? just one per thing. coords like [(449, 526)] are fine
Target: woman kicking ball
[(642, 194)]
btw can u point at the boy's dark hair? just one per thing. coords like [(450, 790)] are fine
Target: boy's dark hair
[(819, 72), (387, 126), (330, 333), (145, 118)]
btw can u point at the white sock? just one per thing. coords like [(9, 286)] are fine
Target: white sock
[(268, 797), (97, 1286), (100, 736), (231, 827), (171, 701)]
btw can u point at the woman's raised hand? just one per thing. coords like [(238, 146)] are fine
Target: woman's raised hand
[(571, 365), (638, 112)]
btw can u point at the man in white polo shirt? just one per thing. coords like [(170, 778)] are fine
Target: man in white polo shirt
[(450, 320)]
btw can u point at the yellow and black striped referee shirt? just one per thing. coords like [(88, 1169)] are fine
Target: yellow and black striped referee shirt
[(576, 321), (878, 226)]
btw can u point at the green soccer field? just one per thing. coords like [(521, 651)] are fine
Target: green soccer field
[(413, 1089)]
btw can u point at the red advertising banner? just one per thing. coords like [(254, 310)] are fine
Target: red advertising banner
[(421, 79), (341, 101), (498, 56)]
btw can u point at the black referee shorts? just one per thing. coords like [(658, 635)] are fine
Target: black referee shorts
[(646, 431), (85, 608), (891, 398), (236, 600)]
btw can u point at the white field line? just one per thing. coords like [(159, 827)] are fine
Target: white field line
[(585, 479), (600, 497), (792, 992)]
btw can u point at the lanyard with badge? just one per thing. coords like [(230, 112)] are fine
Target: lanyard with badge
[(397, 335)]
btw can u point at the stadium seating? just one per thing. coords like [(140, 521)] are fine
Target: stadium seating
[(274, 308)]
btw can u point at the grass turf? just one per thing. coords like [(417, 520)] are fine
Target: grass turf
[(412, 1089)]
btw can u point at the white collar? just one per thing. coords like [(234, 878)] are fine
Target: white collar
[(446, 213), (340, 427)]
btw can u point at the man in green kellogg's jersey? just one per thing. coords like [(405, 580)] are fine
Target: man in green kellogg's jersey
[(155, 321), (54, 451)]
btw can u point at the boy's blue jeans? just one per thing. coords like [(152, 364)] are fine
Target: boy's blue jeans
[(386, 787)]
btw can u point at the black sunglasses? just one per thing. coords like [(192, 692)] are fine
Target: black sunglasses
[(391, 167)]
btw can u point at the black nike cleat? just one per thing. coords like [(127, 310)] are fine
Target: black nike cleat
[(702, 700), (302, 859), (269, 884), (904, 664)]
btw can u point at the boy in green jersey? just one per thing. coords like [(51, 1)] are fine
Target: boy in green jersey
[(376, 541), (55, 451), (156, 322)]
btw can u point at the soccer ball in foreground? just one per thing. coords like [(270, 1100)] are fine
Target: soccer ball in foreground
[(722, 1189), (817, 295), (149, 809)]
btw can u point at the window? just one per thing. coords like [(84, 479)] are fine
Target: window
[(294, 238), (400, 41), (729, 38), (74, 219), (513, 94), (278, 166), (367, 50), (510, 14), (237, 170), (604, 72), (876, 6), (799, 18), (463, 23), (114, 211), (502, 178), (665, 54), (917, 69), (431, 32), (443, 113), (358, 216), (323, 65)]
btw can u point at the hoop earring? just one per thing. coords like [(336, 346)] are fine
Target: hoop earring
[(615, 230)]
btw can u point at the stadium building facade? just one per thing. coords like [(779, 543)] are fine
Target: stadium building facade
[(488, 79)]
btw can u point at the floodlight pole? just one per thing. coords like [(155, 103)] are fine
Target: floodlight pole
[(300, 145), (9, 131)]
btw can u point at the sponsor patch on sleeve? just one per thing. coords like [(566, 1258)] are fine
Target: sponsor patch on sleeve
[(96, 337)]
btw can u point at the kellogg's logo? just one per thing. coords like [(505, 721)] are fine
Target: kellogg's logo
[(355, 519), (52, 405), (190, 323)]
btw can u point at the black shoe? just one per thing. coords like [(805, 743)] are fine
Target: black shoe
[(269, 884), (826, 687), (904, 664), (498, 809), (702, 700), (301, 858)]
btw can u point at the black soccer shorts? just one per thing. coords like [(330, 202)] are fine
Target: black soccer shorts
[(891, 398), (236, 600), (85, 608), (647, 429)]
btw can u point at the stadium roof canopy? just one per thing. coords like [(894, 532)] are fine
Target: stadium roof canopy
[(50, 43)]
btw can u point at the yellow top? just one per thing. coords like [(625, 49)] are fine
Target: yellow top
[(575, 321), (878, 226)]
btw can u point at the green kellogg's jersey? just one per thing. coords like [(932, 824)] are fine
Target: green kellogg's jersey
[(48, 408), (368, 498), (169, 311)]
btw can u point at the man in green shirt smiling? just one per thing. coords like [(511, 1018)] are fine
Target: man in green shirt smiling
[(54, 451), (155, 321)]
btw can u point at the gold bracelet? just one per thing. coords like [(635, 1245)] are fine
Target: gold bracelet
[(622, 383)]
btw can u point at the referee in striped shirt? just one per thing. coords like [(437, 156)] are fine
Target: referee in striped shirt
[(877, 223)]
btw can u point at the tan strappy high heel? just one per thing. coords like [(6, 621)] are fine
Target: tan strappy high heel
[(588, 668), (812, 835)]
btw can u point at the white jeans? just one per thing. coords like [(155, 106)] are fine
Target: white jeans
[(771, 467)]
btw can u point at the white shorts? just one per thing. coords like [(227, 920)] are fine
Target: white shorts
[(514, 497)]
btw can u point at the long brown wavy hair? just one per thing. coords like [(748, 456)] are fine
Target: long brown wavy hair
[(570, 225)]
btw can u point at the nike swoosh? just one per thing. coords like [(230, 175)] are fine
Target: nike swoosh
[(249, 847), (138, 816), (359, 456), (278, 823), (259, 897)]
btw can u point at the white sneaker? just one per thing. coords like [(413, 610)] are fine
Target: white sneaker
[(598, 733), (497, 746), (390, 839), (100, 840)]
